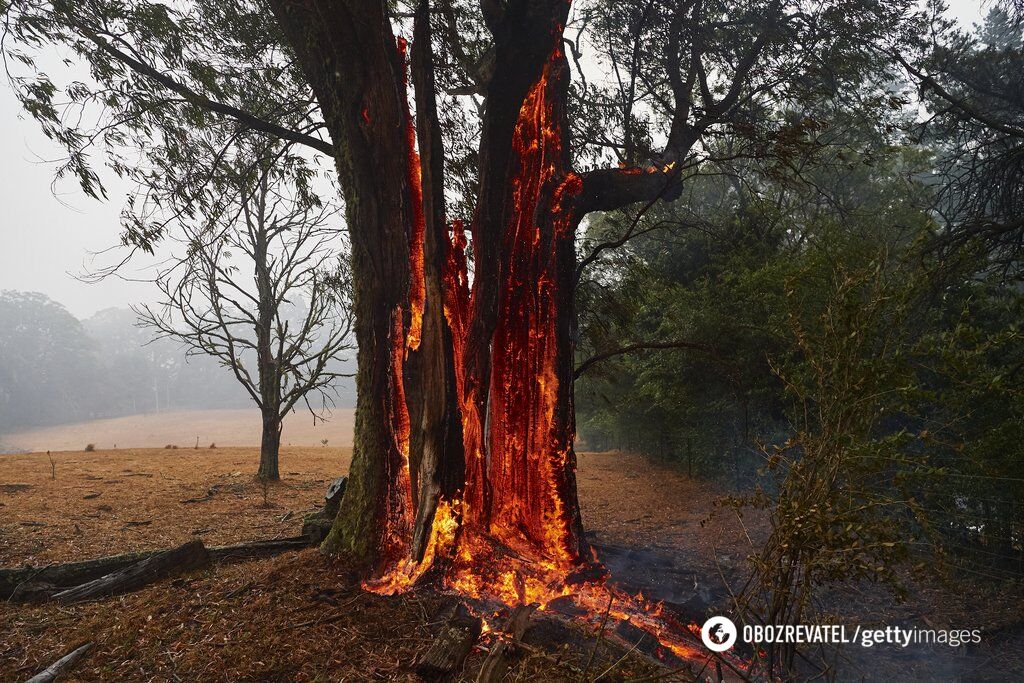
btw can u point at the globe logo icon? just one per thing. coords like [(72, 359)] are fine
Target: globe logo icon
[(718, 634)]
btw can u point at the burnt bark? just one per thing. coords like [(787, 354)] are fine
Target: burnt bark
[(524, 35), (348, 53), (513, 379), (437, 452), (448, 651), (505, 649), (519, 351)]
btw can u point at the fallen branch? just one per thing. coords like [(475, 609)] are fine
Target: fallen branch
[(61, 666), (506, 648), (250, 549), (31, 584), (191, 555)]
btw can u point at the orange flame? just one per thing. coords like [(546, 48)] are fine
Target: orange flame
[(517, 545), (414, 177)]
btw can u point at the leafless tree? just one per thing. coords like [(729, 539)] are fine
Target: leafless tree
[(262, 287)]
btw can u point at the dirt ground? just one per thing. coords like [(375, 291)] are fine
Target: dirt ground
[(302, 616), (108, 502), (296, 617), (104, 502), (266, 619)]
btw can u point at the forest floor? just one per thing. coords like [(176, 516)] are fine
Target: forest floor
[(301, 616)]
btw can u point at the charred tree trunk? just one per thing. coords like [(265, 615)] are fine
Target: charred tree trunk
[(518, 351), (492, 378), (464, 398), (438, 449)]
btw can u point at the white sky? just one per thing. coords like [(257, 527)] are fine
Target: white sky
[(47, 239)]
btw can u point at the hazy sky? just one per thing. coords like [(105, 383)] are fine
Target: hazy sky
[(47, 234)]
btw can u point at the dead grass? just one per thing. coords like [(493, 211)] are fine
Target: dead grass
[(108, 502), (225, 427), (297, 617), (302, 616)]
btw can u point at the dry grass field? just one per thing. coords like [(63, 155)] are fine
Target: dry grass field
[(301, 616), (222, 427), (106, 501)]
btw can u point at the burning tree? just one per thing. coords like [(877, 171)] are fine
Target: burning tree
[(261, 288), (463, 466)]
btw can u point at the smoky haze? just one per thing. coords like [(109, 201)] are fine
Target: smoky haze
[(55, 368), (69, 350)]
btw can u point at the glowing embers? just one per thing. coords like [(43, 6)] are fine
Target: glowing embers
[(396, 530), (494, 575), (418, 229), (529, 436), (442, 541)]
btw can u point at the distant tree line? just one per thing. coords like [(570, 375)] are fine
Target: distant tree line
[(57, 369)]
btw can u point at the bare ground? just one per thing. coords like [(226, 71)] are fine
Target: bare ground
[(302, 616), (295, 617), (107, 502)]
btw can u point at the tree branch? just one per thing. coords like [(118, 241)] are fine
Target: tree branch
[(958, 102), (199, 100), (644, 346)]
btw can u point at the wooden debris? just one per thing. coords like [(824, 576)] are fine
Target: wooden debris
[(332, 499), (449, 649), (191, 555), (62, 575), (205, 497), (507, 646), (31, 584), (250, 549), (61, 666)]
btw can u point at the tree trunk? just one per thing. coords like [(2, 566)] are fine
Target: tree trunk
[(492, 383), (350, 57), (267, 360), (270, 446), (530, 478), (437, 450)]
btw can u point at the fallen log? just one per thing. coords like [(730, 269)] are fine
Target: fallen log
[(23, 579), (250, 549), (506, 648), (449, 649), (34, 584), (61, 666), (191, 555)]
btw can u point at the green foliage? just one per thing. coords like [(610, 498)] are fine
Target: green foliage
[(149, 87), (859, 385)]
